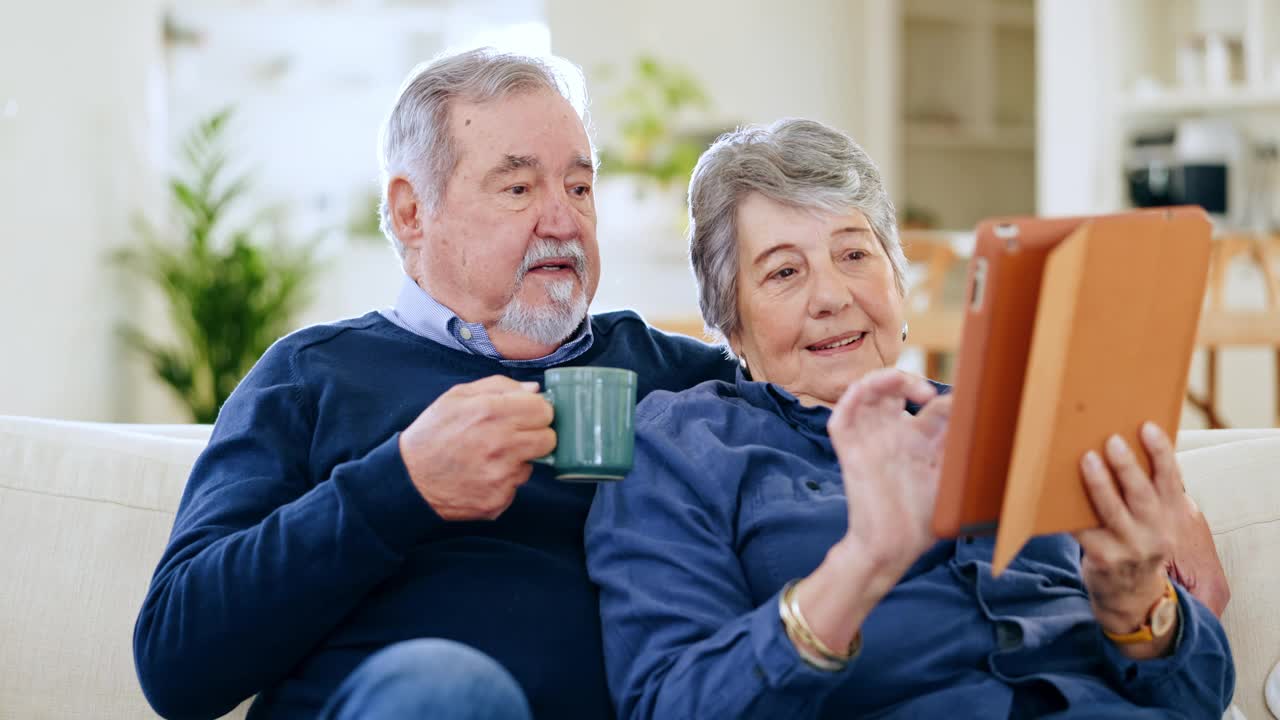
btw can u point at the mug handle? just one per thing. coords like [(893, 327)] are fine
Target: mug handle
[(549, 458)]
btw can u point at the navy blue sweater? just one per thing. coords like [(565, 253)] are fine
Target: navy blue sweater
[(301, 546)]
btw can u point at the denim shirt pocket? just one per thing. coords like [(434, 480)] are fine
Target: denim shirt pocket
[(774, 487), (787, 524)]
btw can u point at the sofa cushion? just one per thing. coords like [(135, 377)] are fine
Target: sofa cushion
[(89, 509), (86, 509), (1237, 486)]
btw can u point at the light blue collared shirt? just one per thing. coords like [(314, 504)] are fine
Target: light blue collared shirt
[(419, 313)]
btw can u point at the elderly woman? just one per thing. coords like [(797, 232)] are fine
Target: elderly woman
[(770, 555)]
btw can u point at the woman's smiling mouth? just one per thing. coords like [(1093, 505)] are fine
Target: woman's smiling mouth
[(837, 343)]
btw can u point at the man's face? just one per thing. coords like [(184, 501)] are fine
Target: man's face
[(512, 243)]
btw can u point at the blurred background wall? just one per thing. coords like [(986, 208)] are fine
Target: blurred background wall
[(973, 108)]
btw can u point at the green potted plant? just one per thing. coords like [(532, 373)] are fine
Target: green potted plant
[(231, 288), (651, 108), (648, 157)]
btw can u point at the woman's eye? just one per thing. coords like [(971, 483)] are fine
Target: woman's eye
[(856, 255), (783, 274)]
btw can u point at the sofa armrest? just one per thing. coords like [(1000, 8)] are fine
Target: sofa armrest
[(1196, 439), (1237, 486)]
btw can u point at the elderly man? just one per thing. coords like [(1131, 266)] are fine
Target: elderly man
[(364, 536)]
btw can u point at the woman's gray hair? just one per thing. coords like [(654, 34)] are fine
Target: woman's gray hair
[(801, 163), (415, 142)]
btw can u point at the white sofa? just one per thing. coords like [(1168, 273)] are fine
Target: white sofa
[(85, 511)]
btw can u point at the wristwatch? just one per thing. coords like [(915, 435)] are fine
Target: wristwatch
[(1159, 621)]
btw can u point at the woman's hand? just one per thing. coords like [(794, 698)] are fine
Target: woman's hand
[(1125, 559), (890, 461)]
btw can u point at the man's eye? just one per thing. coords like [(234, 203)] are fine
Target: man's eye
[(518, 189), (582, 190)]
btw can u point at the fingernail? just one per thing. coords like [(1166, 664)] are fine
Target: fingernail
[(530, 386), (1151, 432), (1116, 446), (1092, 462)]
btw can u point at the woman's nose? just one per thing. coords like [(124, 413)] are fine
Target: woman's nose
[(828, 294)]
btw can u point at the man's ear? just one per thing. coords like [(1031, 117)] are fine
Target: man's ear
[(407, 214)]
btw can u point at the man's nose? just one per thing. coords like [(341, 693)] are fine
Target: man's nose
[(557, 221)]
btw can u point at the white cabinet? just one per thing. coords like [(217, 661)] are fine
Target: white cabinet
[(967, 111), (1193, 56)]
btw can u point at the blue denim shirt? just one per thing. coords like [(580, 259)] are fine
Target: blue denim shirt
[(736, 490)]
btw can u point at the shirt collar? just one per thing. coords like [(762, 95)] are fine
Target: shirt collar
[(419, 313), (810, 420)]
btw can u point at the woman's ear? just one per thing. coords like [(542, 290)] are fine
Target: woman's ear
[(735, 346)]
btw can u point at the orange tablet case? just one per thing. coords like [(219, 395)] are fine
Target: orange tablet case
[(1076, 328), (1005, 272)]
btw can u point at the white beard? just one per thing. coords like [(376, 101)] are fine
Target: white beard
[(548, 324)]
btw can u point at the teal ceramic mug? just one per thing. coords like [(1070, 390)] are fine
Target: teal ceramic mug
[(594, 421)]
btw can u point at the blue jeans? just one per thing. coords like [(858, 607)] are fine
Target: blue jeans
[(437, 679)]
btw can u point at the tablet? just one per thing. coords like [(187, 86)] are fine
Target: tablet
[(1075, 328)]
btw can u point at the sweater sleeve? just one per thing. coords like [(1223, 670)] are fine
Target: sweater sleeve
[(265, 560), (682, 636), (1197, 678)]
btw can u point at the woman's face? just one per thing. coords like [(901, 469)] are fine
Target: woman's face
[(817, 302)]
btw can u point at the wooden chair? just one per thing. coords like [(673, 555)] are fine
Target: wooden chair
[(1222, 326)]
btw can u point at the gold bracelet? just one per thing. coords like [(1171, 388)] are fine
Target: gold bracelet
[(798, 629), (854, 645), (802, 649), (806, 655)]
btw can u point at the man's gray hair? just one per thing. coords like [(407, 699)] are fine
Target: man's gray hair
[(801, 163), (415, 142)]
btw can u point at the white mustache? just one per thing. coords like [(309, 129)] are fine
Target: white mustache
[(543, 249)]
